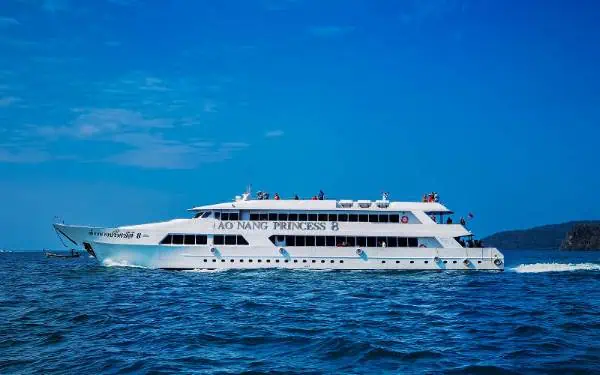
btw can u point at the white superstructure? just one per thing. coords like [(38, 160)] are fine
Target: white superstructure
[(312, 234)]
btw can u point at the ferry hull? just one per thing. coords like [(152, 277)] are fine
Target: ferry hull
[(234, 257)]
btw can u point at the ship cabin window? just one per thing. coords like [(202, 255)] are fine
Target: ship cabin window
[(282, 217), (394, 218), (373, 218), (353, 218), (178, 239), (201, 239), (263, 216), (321, 217), (343, 217), (225, 216), (219, 239), (342, 241), (185, 239), (254, 216), (363, 218), (384, 218), (167, 240), (198, 214), (329, 217), (230, 216), (189, 239), (206, 214), (272, 216), (314, 217), (302, 217), (293, 217), (217, 215)]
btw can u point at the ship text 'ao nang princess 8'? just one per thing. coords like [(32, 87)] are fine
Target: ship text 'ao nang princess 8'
[(315, 233)]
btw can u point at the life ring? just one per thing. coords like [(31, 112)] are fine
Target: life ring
[(213, 250), (498, 262), (359, 251), (404, 219), (466, 262), (422, 245), (436, 259), (282, 250)]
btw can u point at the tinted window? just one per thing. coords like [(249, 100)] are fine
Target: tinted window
[(241, 240), (302, 217), (189, 239), (300, 241), (290, 240), (310, 241), (351, 241), (384, 218), (312, 217), (333, 217), (330, 241), (373, 218), (395, 218), (340, 241), (254, 217), (392, 241), (272, 217), (363, 218), (371, 241), (263, 216), (380, 241), (201, 239), (320, 241), (225, 216), (178, 239), (283, 217), (229, 240), (361, 241), (413, 242), (343, 217), (217, 215), (167, 240), (293, 217), (218, 240), (402, 242), (234, 216), (353, 218), (322, 217)]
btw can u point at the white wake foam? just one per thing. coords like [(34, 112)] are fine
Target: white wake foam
[(119, 263), (556, 267), (205, 270)]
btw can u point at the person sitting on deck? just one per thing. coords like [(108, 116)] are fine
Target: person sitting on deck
[(276, 196), (449, 221), (424, 197), (314, 198), (321, 195), (296, 197), (462, 221)]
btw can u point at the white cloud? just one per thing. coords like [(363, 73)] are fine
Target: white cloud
[(274, 133), (6, 22), (329, 31), (8, 101)]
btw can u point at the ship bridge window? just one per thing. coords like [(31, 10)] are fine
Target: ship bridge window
[(206, 214), (199, 214)]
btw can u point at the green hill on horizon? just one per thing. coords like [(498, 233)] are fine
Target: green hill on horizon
[(545, 237)]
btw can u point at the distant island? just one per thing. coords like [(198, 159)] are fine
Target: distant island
[(574, 235)]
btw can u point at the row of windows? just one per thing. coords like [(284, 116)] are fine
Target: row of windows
[(342, 241), (312, 261), (202, 239), (354, 218)]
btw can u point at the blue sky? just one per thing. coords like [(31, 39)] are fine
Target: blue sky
[(127, 111)]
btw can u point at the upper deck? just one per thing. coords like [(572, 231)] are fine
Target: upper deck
[(325, 205)]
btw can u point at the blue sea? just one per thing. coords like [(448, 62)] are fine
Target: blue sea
[(74, 316)]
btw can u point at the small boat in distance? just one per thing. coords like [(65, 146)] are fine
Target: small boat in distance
[(73, 254)]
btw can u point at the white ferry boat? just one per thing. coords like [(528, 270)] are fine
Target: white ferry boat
[(294, 233)]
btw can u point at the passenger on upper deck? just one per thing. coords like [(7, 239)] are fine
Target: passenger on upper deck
[(276, 196), (314, 198), (321, 195), (296, 197), (424, 197), (449, 221), (462, 221)]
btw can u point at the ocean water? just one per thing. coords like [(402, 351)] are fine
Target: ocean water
[(542, 315)]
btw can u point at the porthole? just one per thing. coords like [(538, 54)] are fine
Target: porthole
[(303, 260), (205, 260), (445, 261), (286, 261), (259, 261), (241, 261), (214, 260), (323, 261), (295, 260), (332, 261), (268, 260), (276, 260), (222, 260), (232, 261), (314, 261), (478, 261), (426, 262), (249, 260), (341, 261), (397, 261), (453, 261), (383, 261), (412, 261)]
